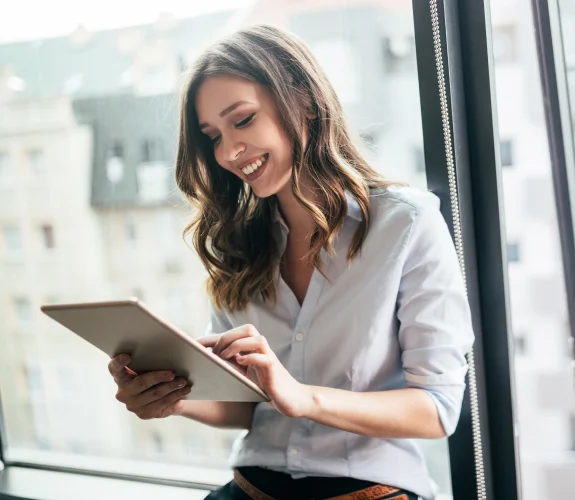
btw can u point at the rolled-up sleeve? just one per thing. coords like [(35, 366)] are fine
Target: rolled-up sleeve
[(435, 321)]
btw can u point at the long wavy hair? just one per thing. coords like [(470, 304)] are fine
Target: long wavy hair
[(232, 227)]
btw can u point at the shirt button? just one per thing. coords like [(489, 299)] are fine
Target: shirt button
[(293, 451), (299, 337)]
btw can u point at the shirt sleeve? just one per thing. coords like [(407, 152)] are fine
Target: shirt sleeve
[(435, 329)]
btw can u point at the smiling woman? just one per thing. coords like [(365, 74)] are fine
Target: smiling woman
[(246, 132), (296, 229), (242, 103)]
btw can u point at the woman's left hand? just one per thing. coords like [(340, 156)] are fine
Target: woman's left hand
[(253, 355)]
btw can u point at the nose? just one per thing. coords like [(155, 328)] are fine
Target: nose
[(232, 149)]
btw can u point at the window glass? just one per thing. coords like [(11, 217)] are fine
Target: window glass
[(12, 237), (112, 87), (543, 381)]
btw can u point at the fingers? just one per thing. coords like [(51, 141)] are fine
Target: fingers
[(119, 370), (159, 409), (157, 392), (220, 342), (129, 390), (246, 344), (256, 359), (209, 340)]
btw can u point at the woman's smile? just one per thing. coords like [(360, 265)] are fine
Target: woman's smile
[(255, 168)]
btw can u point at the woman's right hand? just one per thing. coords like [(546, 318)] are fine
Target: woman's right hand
[(150, 395)]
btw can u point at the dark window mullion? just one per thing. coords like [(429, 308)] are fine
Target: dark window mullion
[(472, 130)]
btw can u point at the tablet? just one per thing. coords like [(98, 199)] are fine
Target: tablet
[(128, 326)]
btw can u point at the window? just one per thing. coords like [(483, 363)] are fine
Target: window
[(536, 289), (399, 53), (151, 151), (115, 163), (23, 309), (513, 254), (36, 162), (6, 168), (153, 182), (48, 236), (520, 345), (12, 238), (34, 377), (418, 159), (538, 201), (130, 229), (506, 153)]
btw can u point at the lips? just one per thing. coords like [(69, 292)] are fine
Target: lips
[(254, 174)]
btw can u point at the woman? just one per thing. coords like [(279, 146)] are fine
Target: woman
[(335, 289)]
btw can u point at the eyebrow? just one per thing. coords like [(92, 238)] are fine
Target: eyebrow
[(226, 111)]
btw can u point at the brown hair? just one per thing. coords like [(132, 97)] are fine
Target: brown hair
[(232, 229)]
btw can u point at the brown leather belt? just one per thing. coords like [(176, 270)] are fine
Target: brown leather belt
[(372, 493)]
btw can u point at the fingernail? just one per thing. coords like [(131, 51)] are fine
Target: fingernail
[(169, 375), (181, 383), (124, 358)]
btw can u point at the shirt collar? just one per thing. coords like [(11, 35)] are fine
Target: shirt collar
[(353, 209)]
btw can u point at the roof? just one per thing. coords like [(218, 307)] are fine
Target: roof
[(93, 64)]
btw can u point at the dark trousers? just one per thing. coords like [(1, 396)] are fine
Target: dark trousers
[(283, 487)]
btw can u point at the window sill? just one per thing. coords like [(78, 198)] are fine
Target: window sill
[(23, 483)]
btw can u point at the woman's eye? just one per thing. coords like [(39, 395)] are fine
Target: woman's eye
[(246, 121), (216, 140)]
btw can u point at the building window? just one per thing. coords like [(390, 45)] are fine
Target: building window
[(418, 159), (36, 163), (399, 54), (151, 151), (153, 182), (538, 198), (34, 377), (130, 230), (48, 236), (115, 163), (513, 254), (12, 238), (23, 309), (5, 166), (506, 153), (520, 345)]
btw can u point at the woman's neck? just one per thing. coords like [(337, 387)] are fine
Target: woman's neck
[(297, 218)]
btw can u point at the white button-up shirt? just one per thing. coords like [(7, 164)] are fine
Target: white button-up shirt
[(396, 317)]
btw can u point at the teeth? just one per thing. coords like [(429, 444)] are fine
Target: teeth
[(252, 167)]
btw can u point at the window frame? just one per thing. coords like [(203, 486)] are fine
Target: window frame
[(466, 51)]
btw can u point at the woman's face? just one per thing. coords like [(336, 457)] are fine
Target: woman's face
[(242, 121)]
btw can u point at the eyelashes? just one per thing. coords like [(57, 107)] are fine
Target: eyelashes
[(244, 123)]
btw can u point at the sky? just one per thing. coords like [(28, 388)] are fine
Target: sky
[(34, 19)]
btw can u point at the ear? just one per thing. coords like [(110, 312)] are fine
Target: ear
[(310, 113)]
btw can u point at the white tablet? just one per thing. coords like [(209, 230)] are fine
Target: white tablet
[(128, 326)]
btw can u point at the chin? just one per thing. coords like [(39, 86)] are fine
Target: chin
[(264, 192), (268, 190)]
